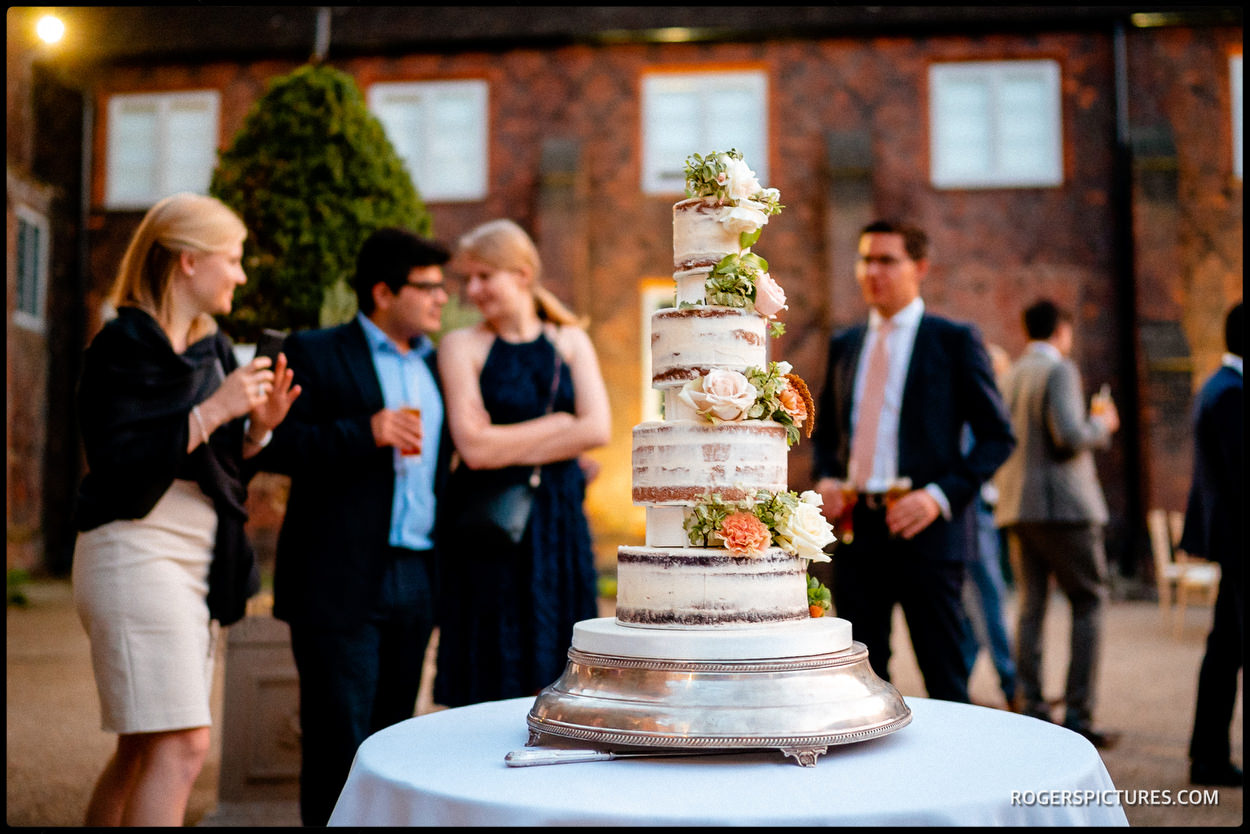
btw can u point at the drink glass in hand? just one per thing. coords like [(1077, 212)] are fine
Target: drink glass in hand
[(844, 526), (415, 412), (897, 489), (1101, 401)]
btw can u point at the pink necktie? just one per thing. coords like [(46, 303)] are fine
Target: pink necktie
[(864, 441)]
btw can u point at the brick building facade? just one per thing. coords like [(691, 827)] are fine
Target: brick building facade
[(1142, 238)]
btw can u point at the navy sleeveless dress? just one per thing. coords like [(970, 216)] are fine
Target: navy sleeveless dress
[(506, 612)]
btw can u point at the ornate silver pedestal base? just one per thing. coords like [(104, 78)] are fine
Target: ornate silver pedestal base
[(799, 705)]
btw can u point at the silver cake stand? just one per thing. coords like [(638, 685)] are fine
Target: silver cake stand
[(799, 705)]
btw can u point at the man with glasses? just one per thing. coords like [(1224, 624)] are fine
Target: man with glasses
[(367, 452), (898, 392)]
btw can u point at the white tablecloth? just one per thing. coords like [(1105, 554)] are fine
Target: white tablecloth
[(953, 765)]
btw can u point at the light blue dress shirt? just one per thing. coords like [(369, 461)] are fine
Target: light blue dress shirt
[(406, 381)]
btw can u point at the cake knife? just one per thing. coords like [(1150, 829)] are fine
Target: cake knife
[(537, 756)]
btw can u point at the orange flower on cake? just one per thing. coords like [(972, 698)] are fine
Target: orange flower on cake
[(744, 534), (792, 404)]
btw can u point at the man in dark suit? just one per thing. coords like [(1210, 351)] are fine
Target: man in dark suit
[(355, 562), (1054, 512), (1215, 529), (918, 379)]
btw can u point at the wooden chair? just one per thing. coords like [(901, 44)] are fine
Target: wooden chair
[(1179, 577)]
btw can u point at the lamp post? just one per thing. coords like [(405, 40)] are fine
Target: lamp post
[(51, 156)]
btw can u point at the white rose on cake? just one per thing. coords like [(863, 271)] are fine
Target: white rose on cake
[(739, 219), (805, 531), (720, 395), (739, 180)]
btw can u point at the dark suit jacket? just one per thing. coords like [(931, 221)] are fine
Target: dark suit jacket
[(333, 546), (1215, 514), (949, 383)]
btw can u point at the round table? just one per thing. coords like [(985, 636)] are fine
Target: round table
[(953, 765)]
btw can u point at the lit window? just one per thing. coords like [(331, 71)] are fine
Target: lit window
[(160, 144), (32, 268), (995, 124), (699, 112), (439, 130), (1234, 71)]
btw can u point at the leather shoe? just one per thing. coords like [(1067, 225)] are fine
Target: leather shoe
[(1221, 774), (1100, 739)]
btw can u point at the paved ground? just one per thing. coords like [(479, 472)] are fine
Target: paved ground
[(56, 749)]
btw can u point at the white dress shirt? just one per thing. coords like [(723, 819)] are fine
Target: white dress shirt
[(899, 342)]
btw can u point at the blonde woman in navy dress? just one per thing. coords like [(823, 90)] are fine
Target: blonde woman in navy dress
[(167, 420), (507, 609)]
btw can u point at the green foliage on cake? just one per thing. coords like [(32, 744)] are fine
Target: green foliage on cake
[(724, 177)]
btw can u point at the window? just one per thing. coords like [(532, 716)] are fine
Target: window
[(160, 144), (32, 268), (1234, 71), (698, 112), (439, 130), (995, 124)]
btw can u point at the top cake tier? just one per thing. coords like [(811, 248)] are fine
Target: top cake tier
[(701, 233)]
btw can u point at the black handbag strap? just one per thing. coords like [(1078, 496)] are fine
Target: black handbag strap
[(536, 475), (555, 375)]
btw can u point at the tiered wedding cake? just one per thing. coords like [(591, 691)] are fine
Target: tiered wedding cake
[(719, 595), (727, 545)]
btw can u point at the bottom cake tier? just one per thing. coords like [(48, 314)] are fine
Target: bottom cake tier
[(702, 587)]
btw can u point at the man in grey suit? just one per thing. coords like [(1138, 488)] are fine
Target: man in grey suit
[(1051, 504)]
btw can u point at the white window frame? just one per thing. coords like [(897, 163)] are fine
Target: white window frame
[(168, 160), (448, 163), (995, 125), (30, 310), (692, 92), (1234, 75)]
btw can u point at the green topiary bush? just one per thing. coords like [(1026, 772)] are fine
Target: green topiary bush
[(312, 174)]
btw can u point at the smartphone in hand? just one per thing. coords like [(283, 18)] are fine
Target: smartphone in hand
[(270, 344)]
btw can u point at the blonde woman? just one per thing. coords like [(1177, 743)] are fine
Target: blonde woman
[(525, 399), (167, 420)]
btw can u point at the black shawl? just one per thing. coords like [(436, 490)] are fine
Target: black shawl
[(133, 404)]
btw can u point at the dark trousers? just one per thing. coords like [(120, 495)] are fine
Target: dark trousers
[(1217, 679), (877, 571), (1074, 554), (358, 680)]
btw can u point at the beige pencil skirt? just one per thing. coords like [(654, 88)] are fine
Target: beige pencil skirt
[(141, 588)]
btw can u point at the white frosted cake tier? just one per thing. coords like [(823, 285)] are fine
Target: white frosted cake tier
[(813, 636), (707, 587), (687, 342), (699, 236), (679, 462)]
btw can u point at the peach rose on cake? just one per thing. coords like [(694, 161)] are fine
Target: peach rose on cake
[(770, 298), (744, 534), (720, 396), (805, 531)]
